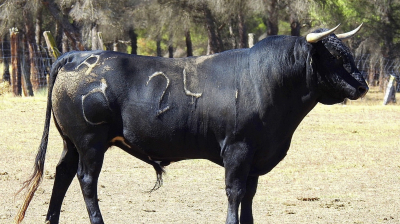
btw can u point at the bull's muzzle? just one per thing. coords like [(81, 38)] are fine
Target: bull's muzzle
[(362, 90)]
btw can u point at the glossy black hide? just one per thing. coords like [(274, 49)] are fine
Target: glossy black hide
[(238, 109)]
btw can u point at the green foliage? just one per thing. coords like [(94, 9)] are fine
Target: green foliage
[(256, 25), (333, 12), (168, 20), (146, 46), (284, 28), (199, 40)]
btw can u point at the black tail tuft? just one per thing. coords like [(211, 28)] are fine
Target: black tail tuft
[(159, 172)]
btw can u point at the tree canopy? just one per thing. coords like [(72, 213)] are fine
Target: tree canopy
[(197, 27)]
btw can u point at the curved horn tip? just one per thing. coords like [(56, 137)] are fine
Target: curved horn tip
[(315, 37), (347, 35)]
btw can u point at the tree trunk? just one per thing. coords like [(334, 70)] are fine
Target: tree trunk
[(189, 48), (15, 64), (6, 61), (26, 67), (34, 74), (242, 31), (31, 76), (371, 74), (59, 33), (294, 26), (170, 51), (272, 20), (64, 43), (382, 73), (133, 37), (387, 34), (94, 36), (38, 29), (100, 42), (213, 41), (72, 32), (158, 43), (232, 33)]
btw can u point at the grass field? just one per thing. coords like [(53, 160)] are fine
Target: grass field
[(343, 167)]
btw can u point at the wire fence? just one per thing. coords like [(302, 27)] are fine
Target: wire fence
[(374, 69), (378, 69), (41, 62)]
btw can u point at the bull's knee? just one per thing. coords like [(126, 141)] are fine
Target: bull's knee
[(87, 183), (235, 194)]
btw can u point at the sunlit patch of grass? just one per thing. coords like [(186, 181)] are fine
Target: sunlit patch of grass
[(42, 92), (4, 88)]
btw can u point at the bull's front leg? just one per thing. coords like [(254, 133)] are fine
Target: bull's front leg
[(246, 212), (237, 161)]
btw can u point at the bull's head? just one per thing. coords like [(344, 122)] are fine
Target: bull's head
[(338, 76)]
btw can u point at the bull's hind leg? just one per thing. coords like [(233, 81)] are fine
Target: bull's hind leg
[(91, 158), (65, 172)]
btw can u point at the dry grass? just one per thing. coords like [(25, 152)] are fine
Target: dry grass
[(4, 88), (343, 167)]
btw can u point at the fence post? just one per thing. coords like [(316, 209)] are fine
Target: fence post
[(390, 91), (51, 44), (115, 45), (15, 72), (251, 40)]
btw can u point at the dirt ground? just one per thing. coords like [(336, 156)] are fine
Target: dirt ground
[(343, 167)]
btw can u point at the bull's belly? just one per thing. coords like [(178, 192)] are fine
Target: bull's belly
[(174, 144), (177, 133)]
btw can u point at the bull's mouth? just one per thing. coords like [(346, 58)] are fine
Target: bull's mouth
[(358, 86)]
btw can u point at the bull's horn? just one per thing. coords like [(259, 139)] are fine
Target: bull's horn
[(315, 37), (343, 36)]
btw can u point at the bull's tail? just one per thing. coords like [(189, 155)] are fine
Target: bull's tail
[(159, 172), (34, 180)]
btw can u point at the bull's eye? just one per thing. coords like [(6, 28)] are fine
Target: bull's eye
[(347, 66), (339, 59)]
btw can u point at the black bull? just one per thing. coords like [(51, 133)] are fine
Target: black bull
[(238, 109)]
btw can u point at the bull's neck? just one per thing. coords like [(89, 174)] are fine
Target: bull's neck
[(282, 94)]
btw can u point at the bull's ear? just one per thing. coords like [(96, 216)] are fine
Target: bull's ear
[(347, 35), (315, 37)]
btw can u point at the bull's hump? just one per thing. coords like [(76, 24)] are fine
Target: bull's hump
[(201, 59)]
